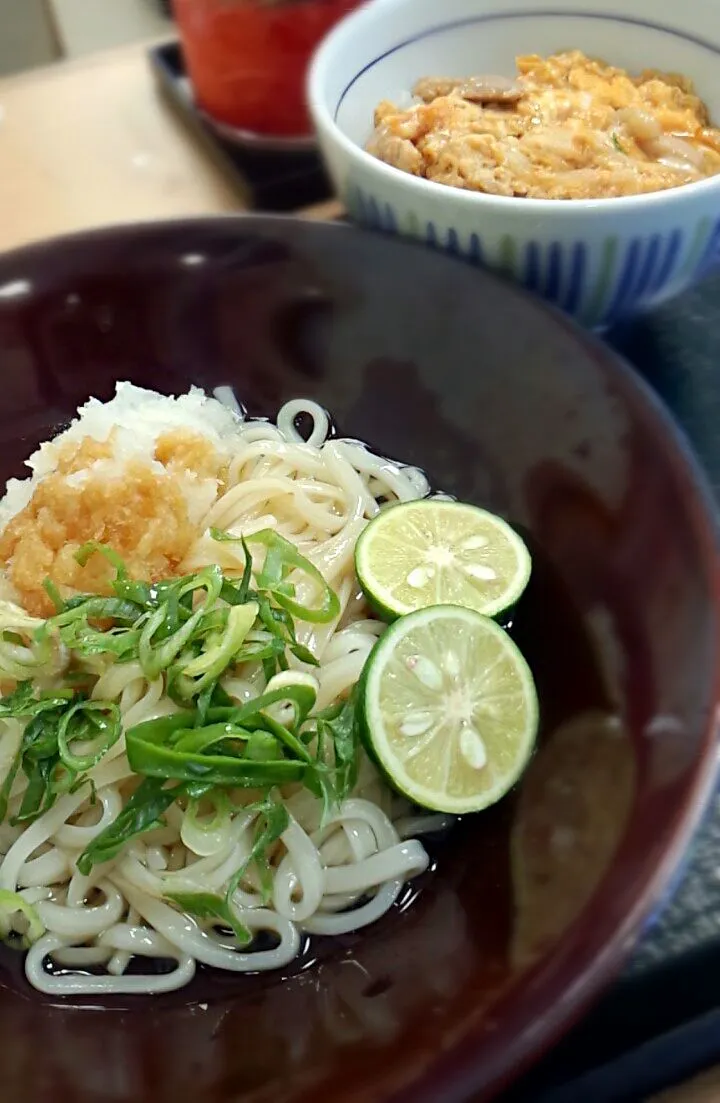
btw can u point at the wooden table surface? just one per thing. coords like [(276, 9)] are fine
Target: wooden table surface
[(702, 1089), (90, 142)]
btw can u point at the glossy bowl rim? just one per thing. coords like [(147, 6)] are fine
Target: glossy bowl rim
[(323, 113), (435, 1081), (659, 884)]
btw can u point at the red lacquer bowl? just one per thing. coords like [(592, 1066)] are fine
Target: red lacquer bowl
[(531, 906)]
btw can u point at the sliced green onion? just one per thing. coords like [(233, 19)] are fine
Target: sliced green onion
[(199, 740), (209, 665), (208, 834), (236, 595), (155, 659), (284, 556), (39, 796), (282, 735), (15, 758), (273, 820), (142, 812), (301, 690), (263, 747), (172, 749), (160, 761), (281, 558), (12, 905), (97, 724), (210, 579), (98, 608), (281, 625), (87, 641), (142, 594), (205, 905), (20, 702), (333, 777), (54, 594), (83, 554), (297, 691), (40, 735), (24, 650), (163, 729)]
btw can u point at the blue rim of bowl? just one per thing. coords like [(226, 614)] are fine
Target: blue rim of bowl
[(326, 116), (549, 13)]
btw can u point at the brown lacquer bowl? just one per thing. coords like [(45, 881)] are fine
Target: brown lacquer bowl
[(529, 907)]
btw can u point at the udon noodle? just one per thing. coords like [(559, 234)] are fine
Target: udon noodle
[(330, 873)]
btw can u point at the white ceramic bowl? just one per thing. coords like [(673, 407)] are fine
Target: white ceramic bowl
[(597, 259)]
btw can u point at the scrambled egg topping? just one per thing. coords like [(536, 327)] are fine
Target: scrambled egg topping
[(142, 512), (569, 127)]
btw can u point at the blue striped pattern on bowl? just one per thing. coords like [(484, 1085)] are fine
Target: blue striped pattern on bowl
[(632, 273)]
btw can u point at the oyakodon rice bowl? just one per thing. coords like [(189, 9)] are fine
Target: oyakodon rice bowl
[(596, 258), (567, 127), (183, 640)]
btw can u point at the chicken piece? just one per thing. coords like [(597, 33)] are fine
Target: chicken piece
[(430, 88), (490, 90), (483, 89)]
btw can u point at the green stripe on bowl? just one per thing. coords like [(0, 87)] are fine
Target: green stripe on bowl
[(508, 255), (411, 225), (699, 242), (598, 301), (353, 202)]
